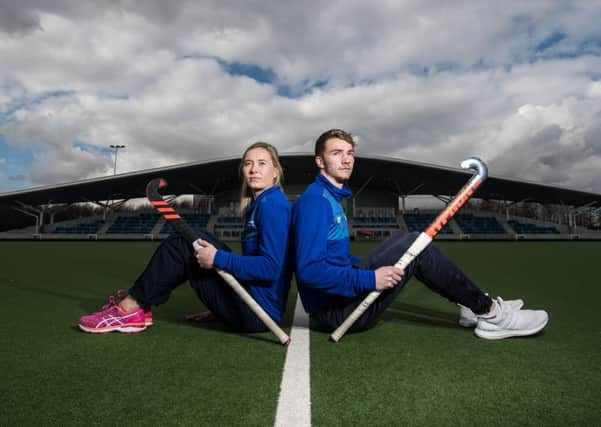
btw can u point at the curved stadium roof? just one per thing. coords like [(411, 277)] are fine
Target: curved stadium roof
[(401, 177)]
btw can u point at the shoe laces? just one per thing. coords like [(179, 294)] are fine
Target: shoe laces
[(499, 309), (115, 300), (507, 313), (111, 303)]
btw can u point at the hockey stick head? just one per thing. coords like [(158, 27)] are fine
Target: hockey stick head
[(153, 187), (476, 164), (162, 207)]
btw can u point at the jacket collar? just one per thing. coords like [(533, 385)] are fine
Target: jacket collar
[(264, 194), (338, 193)]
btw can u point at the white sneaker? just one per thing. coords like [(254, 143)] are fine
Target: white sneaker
[(505, 322), (468, 319)]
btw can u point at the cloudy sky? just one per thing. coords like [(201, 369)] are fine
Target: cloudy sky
[(515, 83)]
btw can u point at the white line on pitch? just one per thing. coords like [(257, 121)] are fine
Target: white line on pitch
[(294, 403)]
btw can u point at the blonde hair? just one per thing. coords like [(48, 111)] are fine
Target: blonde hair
[(245, 193)]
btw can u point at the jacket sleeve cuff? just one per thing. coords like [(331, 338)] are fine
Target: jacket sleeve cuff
[(355, 260), (366, 281), (222, 259)]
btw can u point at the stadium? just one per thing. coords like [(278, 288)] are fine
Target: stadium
[(65, 268), (125, 133), (381, 187)]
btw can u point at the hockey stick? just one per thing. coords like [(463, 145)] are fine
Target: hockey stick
[(424, 239), (182, 227)]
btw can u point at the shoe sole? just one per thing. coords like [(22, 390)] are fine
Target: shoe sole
[(499, 335), (124, 330)]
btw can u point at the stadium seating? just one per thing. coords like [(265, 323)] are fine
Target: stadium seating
[(231, 233), (229, 226), (374, 222), (80, 228), (471, 224), (526, 228), (137, 224), (420, 221), (196, 221), (229, 222)]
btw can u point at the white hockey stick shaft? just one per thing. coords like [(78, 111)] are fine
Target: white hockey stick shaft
[(423, 240), (250, 301)]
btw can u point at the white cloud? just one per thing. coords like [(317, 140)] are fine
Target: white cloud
[(595, 90), (419, 81)]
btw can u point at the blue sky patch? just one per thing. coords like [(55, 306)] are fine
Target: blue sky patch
[(95, 149), (544, 50), (25, 103), (259, 74), (268, 76), (553, 40), (262, 75), (16, 165), (298, 91)]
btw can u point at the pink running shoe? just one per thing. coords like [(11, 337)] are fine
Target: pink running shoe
[(121, 294), (112, 318), (147, 317)]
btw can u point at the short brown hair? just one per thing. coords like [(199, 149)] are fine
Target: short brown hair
[(320, 144)]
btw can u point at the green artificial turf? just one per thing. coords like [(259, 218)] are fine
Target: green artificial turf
[(416, 367), (173, 374)]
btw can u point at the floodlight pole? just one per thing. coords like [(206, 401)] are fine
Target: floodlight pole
[(116, 147)]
